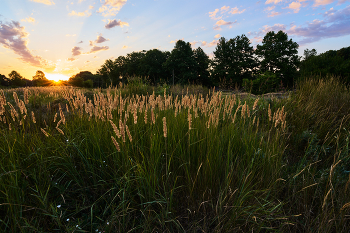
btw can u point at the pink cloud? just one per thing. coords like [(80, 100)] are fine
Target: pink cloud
[(113, 23), (295, 6), (76, 51), (273, 1), (13, 37), (95, 48), (322, 2), (236, 11)]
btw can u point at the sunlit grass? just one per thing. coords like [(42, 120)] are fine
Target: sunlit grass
[(117, 160)]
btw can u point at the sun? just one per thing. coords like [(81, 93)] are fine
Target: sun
[(57, 77)]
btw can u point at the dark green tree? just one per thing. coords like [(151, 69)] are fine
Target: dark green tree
[(16, 79), (234, 60), (133, 64), (182, 63), (279, 55), (309, 53), (202, 67), (4, 81), (152, 66)]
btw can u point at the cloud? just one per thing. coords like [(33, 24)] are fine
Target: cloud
[(71, 59), (125, 47), (111, 7), (270, 8), (223, 23), (236, 11), (273, 14), (322, 2), (29, 20), (80, 14), (295, 6), (204, 43), (213, 43), (80, 42), (273, 1), (47, 2), (212, 15), (13, 37), (193, 43), (113, 23), (100, 39), (217, 36), (335, 24), (224, 8), (95, 48), (76, 51), (174, 41)]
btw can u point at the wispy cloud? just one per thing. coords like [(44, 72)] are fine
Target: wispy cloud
[(193, 43), (236, 11), (13, 36), (222, 12), (273, 14), (125, 47), (322, 2), (113, 23), (217, 36), (111, 7), (96, 49), (80, 14), (47, 2), (223, 23), (213, 43), (29, 20), (273, 1)]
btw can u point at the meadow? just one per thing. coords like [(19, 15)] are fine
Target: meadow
[(155, 159)]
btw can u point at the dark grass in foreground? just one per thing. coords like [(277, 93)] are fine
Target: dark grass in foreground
[(191, 163)]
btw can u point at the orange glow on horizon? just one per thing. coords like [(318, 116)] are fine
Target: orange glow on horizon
[(56, 77)]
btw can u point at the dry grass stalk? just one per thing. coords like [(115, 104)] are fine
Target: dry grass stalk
[(255, 104), (189, 120), (33, 118), (46, 134), (54, 119), (115, 129), (165, 128), (269, 113), (115, 143), (128, 132), (59, 130), (10, 126), (122, 130)]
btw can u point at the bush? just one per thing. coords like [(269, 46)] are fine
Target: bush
[(88, 83), (264, 83)]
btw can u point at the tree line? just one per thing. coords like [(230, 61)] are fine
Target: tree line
[(272, 65)]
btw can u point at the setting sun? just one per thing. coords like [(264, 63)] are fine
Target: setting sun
[(57, 77)]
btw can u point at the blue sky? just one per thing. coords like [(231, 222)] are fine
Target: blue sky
[(66, 37)]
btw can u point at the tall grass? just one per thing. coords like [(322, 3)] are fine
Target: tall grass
[(108, 161)]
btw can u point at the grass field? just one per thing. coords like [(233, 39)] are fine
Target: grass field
[(121, 160)]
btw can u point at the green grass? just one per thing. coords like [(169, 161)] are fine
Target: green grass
[(240, 176)]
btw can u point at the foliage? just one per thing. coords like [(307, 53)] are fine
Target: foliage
[(279, 55), (329, 63), (202, 67), (182, 63), (16, 79), (263, 83), (152, 66), (40, 80), (4, 81), (233, 60)]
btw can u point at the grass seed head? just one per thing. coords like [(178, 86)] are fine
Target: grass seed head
[(115, 143), (165, 128)]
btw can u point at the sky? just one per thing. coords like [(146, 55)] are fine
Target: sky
[(63, 37)]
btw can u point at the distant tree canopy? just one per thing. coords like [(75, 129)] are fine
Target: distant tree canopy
[(279, 55), (332, 62), (4, 81), (16, 79), (39, 79), (274, 64)]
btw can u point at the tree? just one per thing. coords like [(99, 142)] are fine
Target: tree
[(4, 81), (110, 71), (39, 79), (16, 79), (181, 61), (309, 53), (279, 55), (152, 66), (233, 60), (202, 66)]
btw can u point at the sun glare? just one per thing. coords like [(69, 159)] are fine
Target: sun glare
[(57, 77)]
